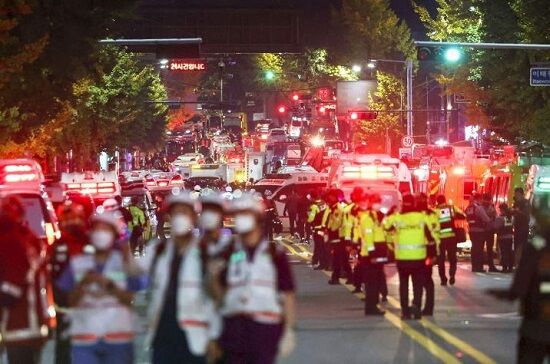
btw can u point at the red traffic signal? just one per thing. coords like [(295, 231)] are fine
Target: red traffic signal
[(295, 97), (281, 109), (362, 115)]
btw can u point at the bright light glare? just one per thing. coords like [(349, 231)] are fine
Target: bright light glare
[(459, 170), (269, 75), (371, 65), (356, 68), (163, 61), (441, 142), (317, 141), (452, 54), (354, 116)]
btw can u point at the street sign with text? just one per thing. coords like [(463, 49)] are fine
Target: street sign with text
[(540, 76), (407, 141), (188, 65)]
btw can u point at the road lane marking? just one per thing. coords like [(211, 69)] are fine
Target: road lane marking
[(450, 338), (290, 248)]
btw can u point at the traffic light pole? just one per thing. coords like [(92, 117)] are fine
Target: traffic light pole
[(409, 97)]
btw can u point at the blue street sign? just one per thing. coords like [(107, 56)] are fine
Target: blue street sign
[(540, 76)]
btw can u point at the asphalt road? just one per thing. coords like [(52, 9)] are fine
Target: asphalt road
[(468, 326)]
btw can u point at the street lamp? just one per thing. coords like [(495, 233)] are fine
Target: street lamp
[(356, 68), (408, 63), (452, 54)]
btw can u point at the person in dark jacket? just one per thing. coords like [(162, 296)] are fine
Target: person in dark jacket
[(521, 214), (291, 209), (504, 227)]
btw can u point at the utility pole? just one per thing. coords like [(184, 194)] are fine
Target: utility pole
[(409, 97)]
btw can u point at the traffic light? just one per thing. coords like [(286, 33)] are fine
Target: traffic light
[(322, 109), (362, 115), (281, 109), (295, 97), (452, 54), (448, 55), (269, 75)]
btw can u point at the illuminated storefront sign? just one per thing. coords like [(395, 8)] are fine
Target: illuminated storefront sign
[(187, 65)]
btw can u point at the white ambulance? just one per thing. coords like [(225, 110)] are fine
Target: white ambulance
[(98, 185)]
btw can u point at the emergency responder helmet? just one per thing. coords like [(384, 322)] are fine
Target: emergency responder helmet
[(252, 202), (213, 199), (356, 194), (408, 201), (111, 218), (441, 199), (375, 198), (181, 198)]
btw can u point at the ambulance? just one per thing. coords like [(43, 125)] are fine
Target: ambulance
[(24, 179), (280, 185), (98, 185), (162, 182)]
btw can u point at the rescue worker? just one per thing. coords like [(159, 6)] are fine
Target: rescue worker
[(23, 289), (257, 291), (183, 323), (336, 237), (349, 228), (72, 223), (301, 224), (504, 227), (522, 215), (410, 246), (382, 244), (136, 226), (160, 215), (530, 286), (101, 289), (448, 214), (432, 251), (314, 220), (489, 241), (213, 235), (291, 210), (271, 214), (477, 224), (369, 230)]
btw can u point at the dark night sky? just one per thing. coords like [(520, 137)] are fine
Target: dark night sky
[(404, 10)]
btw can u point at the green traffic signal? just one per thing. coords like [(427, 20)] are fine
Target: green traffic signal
[(269, 75), (452, 55)]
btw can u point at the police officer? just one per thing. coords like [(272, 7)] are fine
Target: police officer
[(184, 325), (530, 286), (477, 224), (504, 227), (136, 226), (369, 229), (448, 214), (256, 290), (314, 219), (336, 236), (101, 289), (432, 248), (410, 253), (489, 242), (521, 221), (381, 244)]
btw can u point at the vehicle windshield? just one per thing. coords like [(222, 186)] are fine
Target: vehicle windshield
[(296, 123), (35, 214), (262, 188)]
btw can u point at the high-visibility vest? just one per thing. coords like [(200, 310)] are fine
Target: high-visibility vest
[(252, 286), (312, 212), (446, 221), (196, 311), (373, 236), (410, 235), (348, 222), (100, 315), (138, 217), (507, 231)]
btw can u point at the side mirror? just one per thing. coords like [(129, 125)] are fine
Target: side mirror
[(282, 197)]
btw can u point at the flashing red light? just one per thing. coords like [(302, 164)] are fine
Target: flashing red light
[(18, 173), (322, 109), (295, 97), (282, 109), (176, 180), (91, 187), (363, 115), (353, 116)]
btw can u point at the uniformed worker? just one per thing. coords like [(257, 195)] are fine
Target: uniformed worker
[(369, 230), (183, 323), (382, 244), (477, 225), (410, 253), (213, 235), (136, 226), (448, 214), (504, 227), (432, 250), (530, 286), (256, 290), (314, 219), (338, 234), (350, 227)]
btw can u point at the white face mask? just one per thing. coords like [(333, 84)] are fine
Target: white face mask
[(181, 224), (210, 220), (244, 223), (102, 239)]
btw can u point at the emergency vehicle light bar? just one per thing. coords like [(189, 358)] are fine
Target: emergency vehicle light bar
[(543, 183), (91, 188), (15, 173), (369, 172)]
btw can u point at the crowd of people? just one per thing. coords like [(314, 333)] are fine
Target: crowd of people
[(213, 296)]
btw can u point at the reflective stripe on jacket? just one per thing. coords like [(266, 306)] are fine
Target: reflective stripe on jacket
[(410, 235)]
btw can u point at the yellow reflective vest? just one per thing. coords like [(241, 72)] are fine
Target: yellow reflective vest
[(434, 228), (312, 212), (410, 241), (372, 232), (349, 220), (335, 217), (447, 215)]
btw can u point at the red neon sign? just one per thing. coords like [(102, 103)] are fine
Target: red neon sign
[(187, 65)]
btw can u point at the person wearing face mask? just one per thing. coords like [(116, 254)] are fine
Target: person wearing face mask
[(213, 236), (256, 290), (23, 290), (183, 322), (71, 243), (100, 289)]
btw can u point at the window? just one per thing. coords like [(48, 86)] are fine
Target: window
[(36, 215)]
